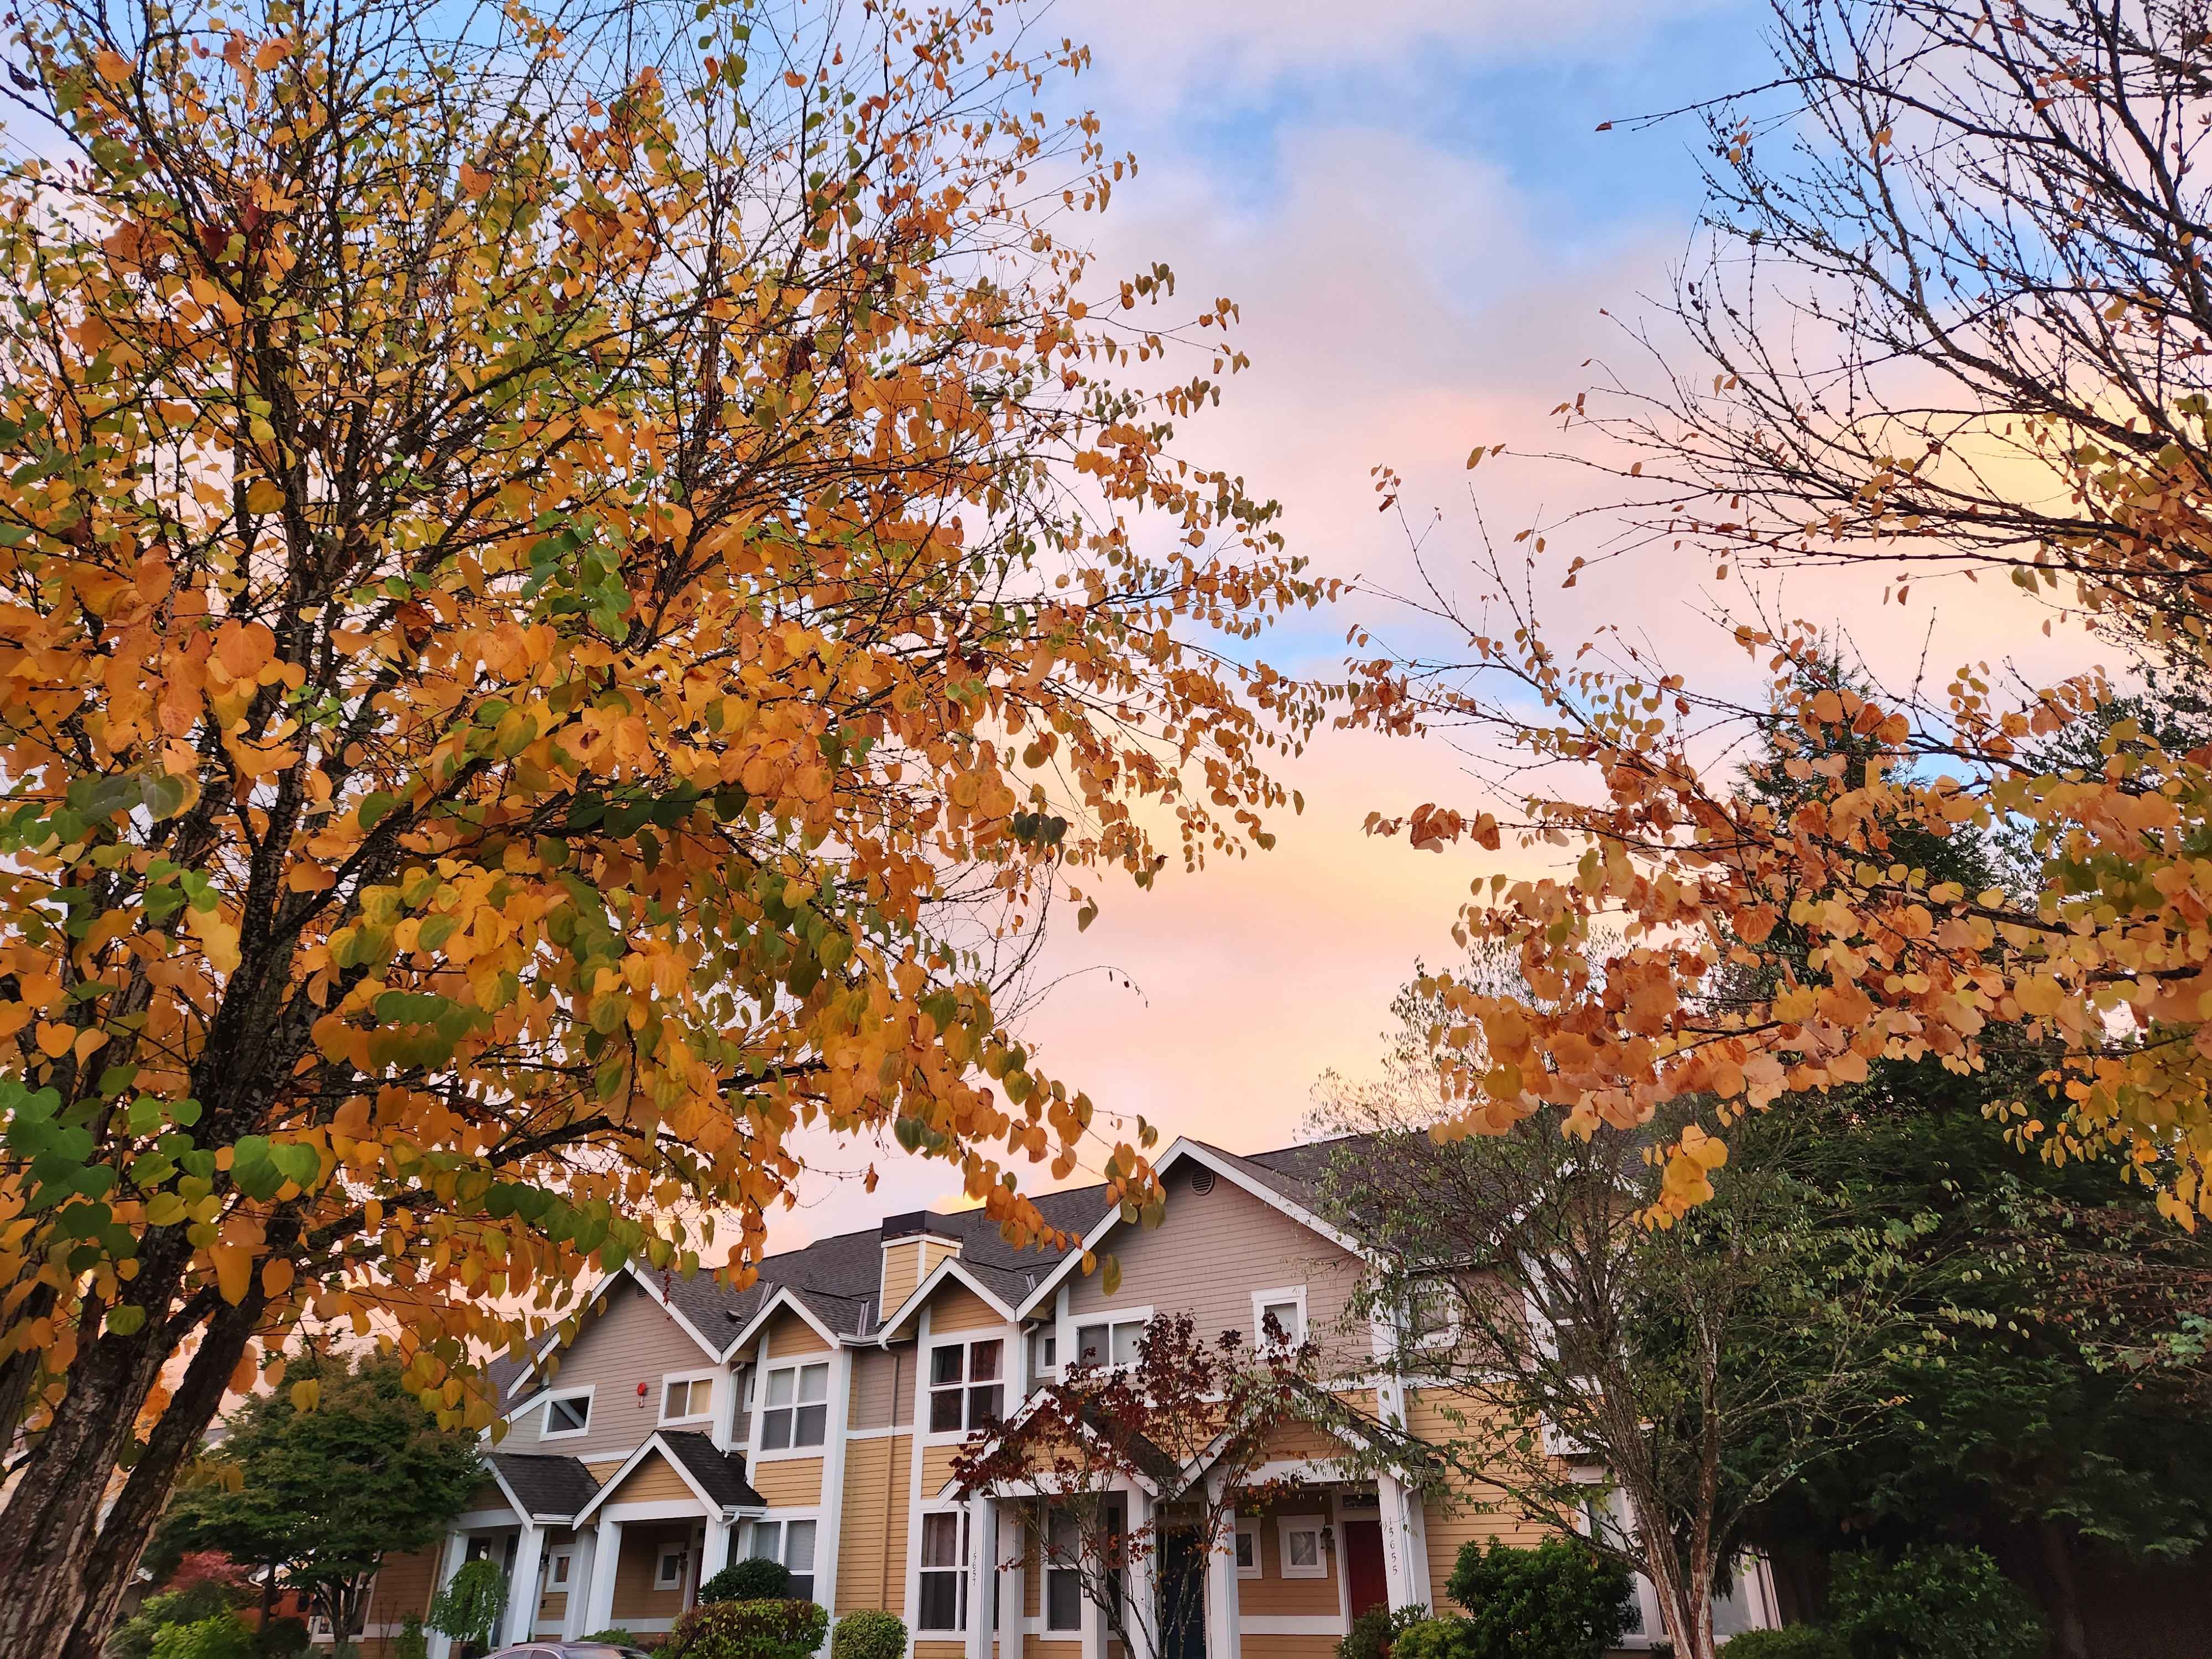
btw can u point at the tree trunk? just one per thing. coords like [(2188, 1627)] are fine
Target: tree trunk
[(2067, 1625)]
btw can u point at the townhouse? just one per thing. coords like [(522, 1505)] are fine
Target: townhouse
[(813, 1418)]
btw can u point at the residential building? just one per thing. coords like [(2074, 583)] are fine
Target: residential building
[(814, 1418)]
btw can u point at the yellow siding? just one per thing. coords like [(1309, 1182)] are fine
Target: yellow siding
[(1479, 1515), (790, 1482), (936, 1468), (1274, 1595), (404, 1584), (652, 1482), (603, 1472), (895, 1540), (635, 1595), (1288, 1647), (789, 1334), (957, 1308), (932, 1252), (937, 1649), (875, 1490)]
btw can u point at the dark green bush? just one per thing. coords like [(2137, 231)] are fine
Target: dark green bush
[(468, 1607), (1434, 1639), (755, 1579), (1938, 1603), (1791, 1642), (869, 1634), (1559, 1600), (226, 1636), (750, 1630), (284, 1638), (1373, 1632), (204, 1599)]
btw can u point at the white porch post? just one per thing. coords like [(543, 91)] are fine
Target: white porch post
[(606, 1559), (1143, 1619), (982, 1558), (450, 1559), (580, 1555), (1405, 1543), (520, 1615), (1011, 1592), (1224, 1633), (714, 1555)]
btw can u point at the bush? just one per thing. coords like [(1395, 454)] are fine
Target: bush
[(755, 1579), (414, 1643), (1434, 1639), (1373, 1633), (1791, 1642), (1941, 1603), (284, 1638), (1560, 1600), (197, 1600), (869, 1634), (226, 1636), (750, 1630)]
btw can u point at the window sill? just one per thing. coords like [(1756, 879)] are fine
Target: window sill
[(789, 1453)]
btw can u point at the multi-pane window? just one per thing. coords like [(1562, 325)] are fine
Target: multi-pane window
[(967, 1386), (686, 1399), (1063, 1576), (943, 1570), (797, 1410), (791, 1542), (1110, 1342), (567, 1414)]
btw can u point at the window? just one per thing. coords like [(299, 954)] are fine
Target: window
[(967, 1387), (944, 1571), (668, 1566), (797, 1409), (558, 1578), (566, 1414), (1063, 1575), (1044, 1353), (1279, 1317), (687, 1399), (1111, 1341), (1303, 1556), (1248, 1549), (791, 1542)]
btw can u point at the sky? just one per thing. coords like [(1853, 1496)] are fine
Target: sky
[(1432, 244)]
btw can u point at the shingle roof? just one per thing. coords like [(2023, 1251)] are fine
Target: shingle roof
[(721, 1475), (547, 1486)]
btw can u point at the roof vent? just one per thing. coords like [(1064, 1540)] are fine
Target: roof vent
[(1201, 1182)]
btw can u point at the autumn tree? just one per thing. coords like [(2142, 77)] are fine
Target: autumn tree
[(574, 581), (1129, 1475), (1950, 319)]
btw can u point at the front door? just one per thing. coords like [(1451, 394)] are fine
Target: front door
[(1182, 1596), (1365, 1582)]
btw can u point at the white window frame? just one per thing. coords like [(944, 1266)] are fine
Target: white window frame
[(1293, 1293), (1447, 1335), (1248, 1526), (1071, 1343), (559, 1563), (668, 1378), (783, 1521), (545, 1429), (961, 1611), (965, 1341), (1315, 1524), (681, 1550), (797, 1367)]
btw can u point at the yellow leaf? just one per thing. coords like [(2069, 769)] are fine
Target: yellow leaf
[(234, 1270), (113, 66), (216, 937)]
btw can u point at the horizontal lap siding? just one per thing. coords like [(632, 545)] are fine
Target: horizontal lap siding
[(635, 1595), (936, 1468), (553, 1604), (1288, 1647), (867, 1574), (788, 1483), (653, 1482), (957, 1308), (630, 1339), (1272, 1595), (788, 1336), (1477, 1514), (901, 1272), (404, 1584), (880, 1378)]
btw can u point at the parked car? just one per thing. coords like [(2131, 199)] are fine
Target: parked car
[(568, 1650)]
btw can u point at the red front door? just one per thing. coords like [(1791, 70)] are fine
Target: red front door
[(1364, 1579)]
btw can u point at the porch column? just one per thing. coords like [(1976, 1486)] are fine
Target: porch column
[(1224, 1635), (449, 1563), (521, 1614), (1011, 1593), (580, 1554), (1142, 1619), (982, 1558), (714, 1553), (606, 1561), (1405, 1543)]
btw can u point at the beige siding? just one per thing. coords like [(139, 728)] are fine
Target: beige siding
[(787, 1482), (868, 1576), (553, 1604), (1209, 1254), (789, 1334), (902, 1273), (882, 1387), (628, 1340), (957, 1308), (653, 1481), (635, 1595), (1274, 1595), (937, 1649)]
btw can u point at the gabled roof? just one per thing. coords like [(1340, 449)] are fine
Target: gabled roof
[(716, 1478), (543, 1488)]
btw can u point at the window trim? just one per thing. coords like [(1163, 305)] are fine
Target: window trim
[(545, 1429), (782, 1520), (964, 1340), (1317, 1525), (1045, 1569), (1296, 1293), (682, 1552), (709, 1378), (1071, 1343), (1247, 1525), (960, 1569), (796, 1364)]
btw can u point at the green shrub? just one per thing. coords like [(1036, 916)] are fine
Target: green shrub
[(414, 1641), (285, 1638), (226, 1636), (469, 1604), (1559, 1600), (1373, 1632), (1940, 1603), (1791, 1642), (750, 1630), (1434, 1639), (202, 1599), (869, 1634), (755, 1579)]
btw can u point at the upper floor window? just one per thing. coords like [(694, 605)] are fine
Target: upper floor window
[(687, 1399), (791, 1542), (566, 1414), (797, 1409), (943, 1570), (967, 1386), (1279, 1317), (1111, 1341)]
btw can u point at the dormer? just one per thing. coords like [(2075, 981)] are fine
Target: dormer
[(911, 1253)]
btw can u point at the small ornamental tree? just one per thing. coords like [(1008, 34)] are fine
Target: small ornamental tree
[(1190, 1422), (467, 1605), (572, 584)]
